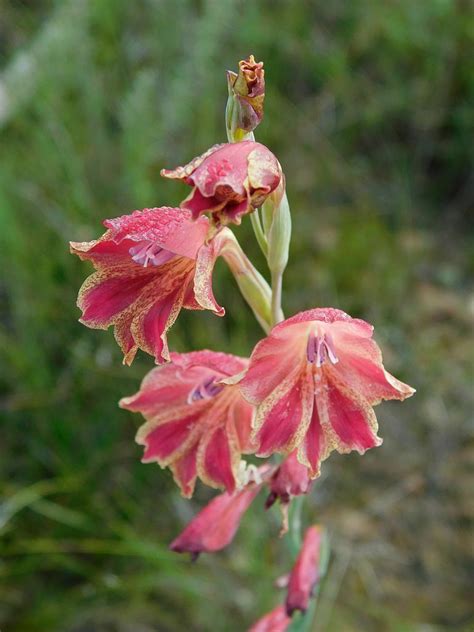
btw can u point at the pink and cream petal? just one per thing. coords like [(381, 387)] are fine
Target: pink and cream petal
[(315, 447), (206, 259), (182, 173), (349, 415), (272, 362), (185, 472), (283, 418)]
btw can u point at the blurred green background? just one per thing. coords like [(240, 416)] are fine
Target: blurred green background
[(369, 109)]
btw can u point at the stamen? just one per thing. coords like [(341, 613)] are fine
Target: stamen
[(146, 252), (320, 348), (205, 390)]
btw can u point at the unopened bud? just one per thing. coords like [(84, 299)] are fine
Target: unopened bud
[(277, 227)]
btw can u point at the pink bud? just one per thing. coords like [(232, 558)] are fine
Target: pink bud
[(275, 621), (215, 526), (305, 573)]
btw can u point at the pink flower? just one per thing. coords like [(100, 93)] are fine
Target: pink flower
[(315, 379), (305, 573), (275, 621), (229, 180), (215, 526), (148, 265), (196, 423)]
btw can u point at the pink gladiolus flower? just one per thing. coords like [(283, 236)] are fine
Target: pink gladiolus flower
[(196, 424), (148, 265), (275, 621), (315, 379), (305, 573), (215, 526), (229, 180)]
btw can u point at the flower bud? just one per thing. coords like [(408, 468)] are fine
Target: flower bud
[(306, 572), (275, 621), (290, 479), (277, 227), (246, 96), (229, 181), (215, 526)]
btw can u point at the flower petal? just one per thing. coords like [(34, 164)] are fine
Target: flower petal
[(206, 259), (282, 419), (215, 526), (182, 173), (305, 573), (185, 471), (103, 297), (315, 447), (275, 621), (350, 416), (170, 228), (164, 440)]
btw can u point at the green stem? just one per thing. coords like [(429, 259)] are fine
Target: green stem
[(277, 312), (258, 230)]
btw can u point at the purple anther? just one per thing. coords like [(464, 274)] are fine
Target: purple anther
[(146, 252), (205, 390)]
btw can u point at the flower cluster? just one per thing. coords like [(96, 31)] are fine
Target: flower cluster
[(307, 389)]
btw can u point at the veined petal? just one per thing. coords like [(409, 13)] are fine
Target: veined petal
[(350, 416), (170, 228), (103, 297), (316, 446), (328, 315), (283, 417), (361, 367), (272, 362), (185, 471), (182, 173), (206, 259)]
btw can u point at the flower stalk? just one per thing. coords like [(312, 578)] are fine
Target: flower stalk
[(308, 388)]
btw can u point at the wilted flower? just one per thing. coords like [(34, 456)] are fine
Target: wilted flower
[(149, 265), (315, 379), (215, 526), (229, 180), (306, 572), (246, 96), (196, 424), (275, 621)]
